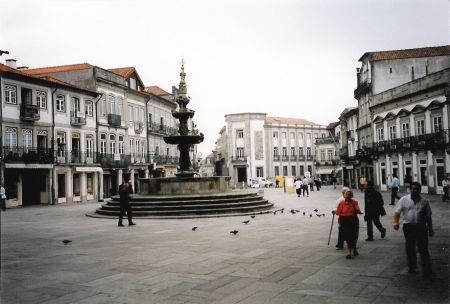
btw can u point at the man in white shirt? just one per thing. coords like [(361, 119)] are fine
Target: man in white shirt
[(298, 186), (445, 186), (395, 184), (305, 186), (417, 224), (2, 197)]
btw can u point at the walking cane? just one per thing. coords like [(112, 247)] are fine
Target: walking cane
[(329, 237)]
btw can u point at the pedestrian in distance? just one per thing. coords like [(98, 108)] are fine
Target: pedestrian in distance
[(362, 183), (407, 182), (125, 204), (333, 181), (445, 188), (417, 225), (340, 241), (277, 183), (311, 184), (395, 184), (130, 187), (2, 197), (348, 210), (298, 186), (305, 184), (373, 209)]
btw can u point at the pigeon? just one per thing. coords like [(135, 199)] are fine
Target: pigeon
[(234, 232), (282, 210), (319, 215), (304, 213), (246, 222), (194, 228), (315, 210), (323, 214), (252, 216), (66, 242), (292, 211), (310, 215)]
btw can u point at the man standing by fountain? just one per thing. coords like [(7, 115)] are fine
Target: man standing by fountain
[(125, 204)]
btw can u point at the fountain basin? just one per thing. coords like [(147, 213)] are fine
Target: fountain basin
[(184, 139), (184, 185)]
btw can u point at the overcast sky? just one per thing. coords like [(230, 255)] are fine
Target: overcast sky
[(289, 58)]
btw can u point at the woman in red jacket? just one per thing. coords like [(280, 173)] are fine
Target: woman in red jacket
[(348, 210)]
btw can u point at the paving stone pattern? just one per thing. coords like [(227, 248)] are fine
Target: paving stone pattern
[(282, 258)]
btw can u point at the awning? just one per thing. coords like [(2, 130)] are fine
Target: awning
[(324, 171), (88, 169), (28, 166)]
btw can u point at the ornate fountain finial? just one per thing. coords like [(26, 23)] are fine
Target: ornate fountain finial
[(182, 89)]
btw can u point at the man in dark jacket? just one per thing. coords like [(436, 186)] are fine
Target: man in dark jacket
[(373, 205), (125, 204)]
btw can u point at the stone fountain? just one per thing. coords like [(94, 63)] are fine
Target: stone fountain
[(186, 195)]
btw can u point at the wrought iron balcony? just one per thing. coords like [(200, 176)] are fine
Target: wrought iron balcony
[(301, 157), (27, 155), (29, 112), (140, 159), (114, 120), (362, 88), (284, 158), (165, 159), (114, 160), (309, 158), (239, 159), (162, 129), (77, 118), (75, 157), (276, 157), (293, 157), (327, 140)]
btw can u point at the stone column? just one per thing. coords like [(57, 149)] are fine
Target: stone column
[(50, 186), (69, 186), (19, 190), (385, 130), (83, 187), (414, 167), (412, 126), (397, 128), (430, 170), (388, 170), (146, 173), (119, 177), (132, 177), (100, 187), (427, 122), (400, 169)]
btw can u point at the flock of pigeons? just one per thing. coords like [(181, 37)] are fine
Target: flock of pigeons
[(293, 211)]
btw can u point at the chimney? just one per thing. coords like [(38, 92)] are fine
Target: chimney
[(11, 63)]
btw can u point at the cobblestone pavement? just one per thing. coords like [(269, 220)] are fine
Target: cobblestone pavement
[(282, 258)]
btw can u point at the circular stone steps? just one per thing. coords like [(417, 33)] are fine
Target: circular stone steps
[(234, 203)]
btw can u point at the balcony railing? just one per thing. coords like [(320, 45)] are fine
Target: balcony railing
[(284, 158), (138, 127), (301, 157), (363, 87), (29, 112), (75, 157), (165, 159), (293, 157), (276, 157), (113, 160), (309, 158), (239, 159), (27, 155), (327, 140), (114, 120), (162, 129), (328, 162), (77, 118)]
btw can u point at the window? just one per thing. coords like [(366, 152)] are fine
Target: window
[(11, 138), (292, 151), (300, 151), (284, 151), (275, 151), (112, 144), (330, 154), (60, 103), (322, 155), (420, 127), (277, 171), (119, 107), (380, 134), (88, 108), (102, 105), (437, 123), (316, 135), (121, 145), (130, 113), (162, 123), (141, 115), (240, 152), (150, 118), (89, 146), (41, 99), (392, 134), (308, 151), (240, 133), (132, 148), (103, 143), (405, 130), (292, 136), (283, 134), (27, 137), (75, 105), (275, 134), (285, 173), (27, 96), (10, 94), (293, 172), (137, 147), (302, 171), (111, 104)]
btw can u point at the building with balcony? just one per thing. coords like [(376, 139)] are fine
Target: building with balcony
[(327, 161), (46, 158), (348, 121), (257, 145)]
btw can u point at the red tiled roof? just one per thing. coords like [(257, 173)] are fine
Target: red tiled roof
[(5, 68), (155, 90), (124, 72), (289, 121), (57, 69), (408, 53)]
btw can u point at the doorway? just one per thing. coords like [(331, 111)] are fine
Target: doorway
[(242, 174), (31, 187)]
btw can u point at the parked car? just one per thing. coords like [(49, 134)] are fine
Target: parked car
[(261, 181)]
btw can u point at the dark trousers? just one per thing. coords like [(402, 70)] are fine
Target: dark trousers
[(3, 204), (416, 236), (125, 208), (394, 195), (445, 196), (312, 186), (375, 219), (305, 188), (340, 242)]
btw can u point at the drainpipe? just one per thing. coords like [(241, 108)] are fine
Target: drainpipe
[(98, 142), (2, 161), (146, 131), (52, 184)]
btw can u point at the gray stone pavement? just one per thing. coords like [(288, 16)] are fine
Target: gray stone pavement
[(281, 258)]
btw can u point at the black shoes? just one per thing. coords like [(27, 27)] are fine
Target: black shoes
[(355, 252), (121, 225), (369, 239), (131, 224), (348, 256), (383, 233), (339, 247)]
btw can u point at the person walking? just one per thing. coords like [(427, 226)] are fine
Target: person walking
[(305, 184), (125, 204), (362, 183), (373, 208), (348, 210), (2, 197), (417, 225), (445, 187), (395, 184), (340, 241), (298, 186), (311, 184), (333, 181)]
